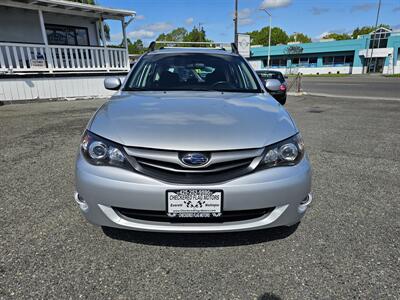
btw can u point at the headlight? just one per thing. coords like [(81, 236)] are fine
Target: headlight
[(99, 151), (285, 153)]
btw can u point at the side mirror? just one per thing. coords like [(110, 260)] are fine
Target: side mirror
[(273, 85), (112, 83)]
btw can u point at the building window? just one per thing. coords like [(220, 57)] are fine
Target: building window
[(338, 61), (276, 62), (379, 38), (327, 60), (349, 60), (304, 61), (313, 61), (67, 35), (281, 62)]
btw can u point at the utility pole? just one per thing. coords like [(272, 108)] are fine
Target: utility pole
[(269, 37), (235, 22), (374, 36)]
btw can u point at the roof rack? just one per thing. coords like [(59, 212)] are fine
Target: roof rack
[(152, 46), (173, 44), (234, 48)]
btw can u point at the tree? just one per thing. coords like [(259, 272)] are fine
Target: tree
[(196, 35), (366, 30), (292, 51), (176, 35), (299, 37), (136, 48), (261, 37), (337, 36), (180, 34)]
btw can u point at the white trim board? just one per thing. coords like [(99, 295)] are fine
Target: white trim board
[(15, 89)]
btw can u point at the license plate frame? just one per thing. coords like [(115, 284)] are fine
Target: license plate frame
[(195, 213)]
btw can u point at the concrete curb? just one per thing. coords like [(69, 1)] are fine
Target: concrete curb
[(296, 94), (350, 97)]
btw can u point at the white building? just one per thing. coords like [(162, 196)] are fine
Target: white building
[(57, 49)]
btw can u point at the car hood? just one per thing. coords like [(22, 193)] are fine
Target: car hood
[(193, 121)]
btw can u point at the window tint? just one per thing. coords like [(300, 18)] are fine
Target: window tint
[(349, 59), (169, 72), (339, 60), (379, 38), (56, 36), (82, 36), (271, 75), (276, 62), (328, 60), (67, 35), (313, 60)]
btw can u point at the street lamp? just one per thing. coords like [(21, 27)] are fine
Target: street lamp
[(295, 36), (269, 36)]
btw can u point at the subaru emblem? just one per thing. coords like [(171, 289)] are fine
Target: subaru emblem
[(194, 159)]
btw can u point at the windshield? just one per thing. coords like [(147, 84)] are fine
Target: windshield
[(271, 75), (191, 71)]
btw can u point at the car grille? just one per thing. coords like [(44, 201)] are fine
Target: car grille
[(161, 216), (167, 166)]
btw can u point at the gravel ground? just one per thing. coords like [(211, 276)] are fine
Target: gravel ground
[(347, 246)]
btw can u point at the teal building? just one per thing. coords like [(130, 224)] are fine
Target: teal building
[(378, 52)]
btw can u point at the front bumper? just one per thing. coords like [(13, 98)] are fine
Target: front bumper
[(101, 188)]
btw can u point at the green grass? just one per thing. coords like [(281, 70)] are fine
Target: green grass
[(320, 75), (326, 75), (393, 75)]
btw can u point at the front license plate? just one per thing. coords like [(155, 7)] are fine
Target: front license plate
[(194, 203)]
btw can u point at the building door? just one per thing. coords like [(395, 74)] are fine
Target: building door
[(375, 65)]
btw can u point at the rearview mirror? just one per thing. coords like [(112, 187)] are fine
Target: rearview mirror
[(112, 83), (273, 85)]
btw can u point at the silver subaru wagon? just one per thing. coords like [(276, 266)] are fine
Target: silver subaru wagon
[(192, 142)]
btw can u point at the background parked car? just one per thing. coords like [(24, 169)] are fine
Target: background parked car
[(279, 95)]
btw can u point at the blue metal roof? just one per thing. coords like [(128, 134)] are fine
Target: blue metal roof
[(326, 46), (316, 47)]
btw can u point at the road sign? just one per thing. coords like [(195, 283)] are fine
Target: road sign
[(244, 44)]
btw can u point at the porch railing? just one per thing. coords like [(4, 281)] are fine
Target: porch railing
[(22, 58)]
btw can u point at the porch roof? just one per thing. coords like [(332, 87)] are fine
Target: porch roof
[(71, 8)]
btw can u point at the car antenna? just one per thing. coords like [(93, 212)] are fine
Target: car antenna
[(234, 48)]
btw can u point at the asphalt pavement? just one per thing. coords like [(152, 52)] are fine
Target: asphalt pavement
[(347, 246), (357, 86)]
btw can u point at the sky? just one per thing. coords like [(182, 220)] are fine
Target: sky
[(312, 17)]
